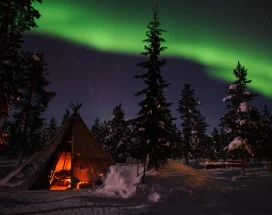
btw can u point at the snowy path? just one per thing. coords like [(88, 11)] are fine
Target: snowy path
[(68, 202)]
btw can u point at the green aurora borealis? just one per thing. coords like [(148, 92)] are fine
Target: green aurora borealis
[(215, 35)]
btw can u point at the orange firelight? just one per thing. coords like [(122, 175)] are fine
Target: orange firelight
[(80, 183)]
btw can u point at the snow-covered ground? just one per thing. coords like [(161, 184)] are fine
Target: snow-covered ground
[(175, 189)]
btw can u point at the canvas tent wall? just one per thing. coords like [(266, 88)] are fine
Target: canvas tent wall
[(73, 150)]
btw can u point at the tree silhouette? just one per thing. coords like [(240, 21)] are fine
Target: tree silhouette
[(153, 124)]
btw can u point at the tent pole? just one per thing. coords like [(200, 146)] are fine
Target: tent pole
[(73, 182)]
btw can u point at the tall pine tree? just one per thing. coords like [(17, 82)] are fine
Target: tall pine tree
[(34, 98), (16, 17), (199, 137), (187, 109), (95, 129), (216, 150), (237, 123), (153, 124), (100, 131), (118, 139)]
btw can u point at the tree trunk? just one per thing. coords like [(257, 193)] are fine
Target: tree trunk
[(137, 168), (145, 163), (144, 171), (186, 151)]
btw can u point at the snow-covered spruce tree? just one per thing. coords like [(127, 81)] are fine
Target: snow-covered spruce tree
[(34, 98), (100, 131), (96, 127), (153, 124), (216, 148), (187, 109), (253, 129), (16, 17), (211, 151), (237, 122), (199, 138), (176, 143), (118, 139)]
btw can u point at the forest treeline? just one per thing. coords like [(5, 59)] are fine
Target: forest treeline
[(152, 136), (23, 76)]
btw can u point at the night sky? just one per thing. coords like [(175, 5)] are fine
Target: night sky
[(93, 46)]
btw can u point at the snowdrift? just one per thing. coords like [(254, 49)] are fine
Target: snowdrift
[(175, 178), (182, 174), (178, 177), (121, 181)]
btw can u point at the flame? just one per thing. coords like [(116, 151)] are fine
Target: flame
[(100, 174), (79, 183), (69, 180)]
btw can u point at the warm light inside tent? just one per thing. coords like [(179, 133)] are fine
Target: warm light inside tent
[(64, 162), (80, 184), (82, 172), (61, 176)]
